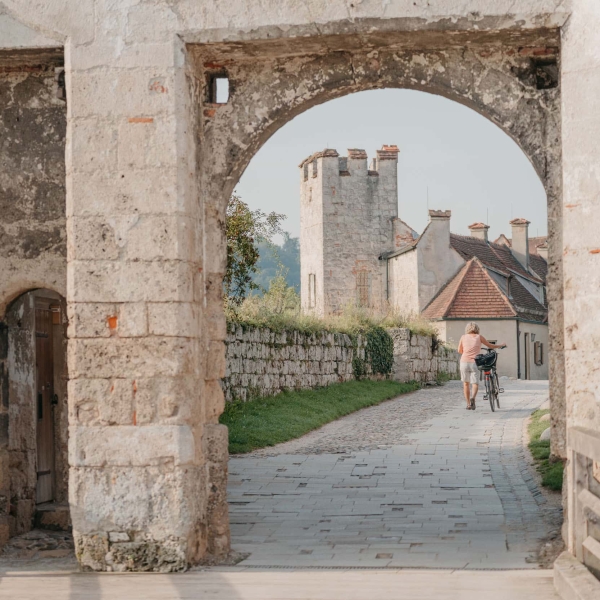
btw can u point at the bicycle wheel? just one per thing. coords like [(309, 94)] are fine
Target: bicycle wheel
[(497, 389), (490, 391)]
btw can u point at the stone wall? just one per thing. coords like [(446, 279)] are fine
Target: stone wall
[(33, 236), (421, 358), (261, 362)]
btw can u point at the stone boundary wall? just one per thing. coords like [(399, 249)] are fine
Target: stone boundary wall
[(421, 357), (261, 362)]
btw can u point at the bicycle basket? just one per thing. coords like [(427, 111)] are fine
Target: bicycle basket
[(486, 361)]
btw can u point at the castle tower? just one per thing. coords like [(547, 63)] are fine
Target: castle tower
[(347, 213)]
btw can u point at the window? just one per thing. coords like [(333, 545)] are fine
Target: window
[(315, 168), (305, 171), (312, 290), (362, 288), (538, 353), (218, 89)]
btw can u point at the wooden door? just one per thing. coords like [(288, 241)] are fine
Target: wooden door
[(527, 357), (44, 394)]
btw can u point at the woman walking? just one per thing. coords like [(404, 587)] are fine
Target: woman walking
[(469, 347)]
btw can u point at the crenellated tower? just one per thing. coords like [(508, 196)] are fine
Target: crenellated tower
[(348, 212)]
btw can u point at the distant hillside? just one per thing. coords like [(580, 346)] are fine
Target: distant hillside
[(271, 259)]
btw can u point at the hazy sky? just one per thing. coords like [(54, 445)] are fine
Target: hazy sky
[(469, 165)]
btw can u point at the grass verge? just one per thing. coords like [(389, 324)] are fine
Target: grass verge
[(268, 421), (551, 472)]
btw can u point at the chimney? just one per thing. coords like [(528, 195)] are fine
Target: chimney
[(439, 224), (542, 251), (520, 241), (479, 231)]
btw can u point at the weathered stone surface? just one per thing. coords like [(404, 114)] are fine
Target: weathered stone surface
[(263, 363), (145, 140)]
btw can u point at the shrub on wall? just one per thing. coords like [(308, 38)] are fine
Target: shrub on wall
[(379, 354)]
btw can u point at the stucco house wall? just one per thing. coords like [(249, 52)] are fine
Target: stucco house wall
[(503, 330), (403, 285), (437, 260), (497, 329)]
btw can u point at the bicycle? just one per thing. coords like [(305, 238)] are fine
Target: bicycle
[(486, 363)]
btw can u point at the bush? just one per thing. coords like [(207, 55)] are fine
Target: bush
[(551, 472)]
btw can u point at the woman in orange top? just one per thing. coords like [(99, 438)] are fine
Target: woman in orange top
[(469, 347)]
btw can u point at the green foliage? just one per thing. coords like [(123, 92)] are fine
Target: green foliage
[(245, 229), (551, 471), (276, 260), (271, 312), (380, 350), (268, 421), (359, 367)]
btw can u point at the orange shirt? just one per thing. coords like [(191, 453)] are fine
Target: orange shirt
[(471, 347)]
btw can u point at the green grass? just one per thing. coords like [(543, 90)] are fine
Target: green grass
[(268, 421), (551, 472)]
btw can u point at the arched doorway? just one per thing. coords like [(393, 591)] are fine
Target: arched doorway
[(34, 381), (510, 83)]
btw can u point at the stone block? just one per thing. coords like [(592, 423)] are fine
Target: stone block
[(131, 281), (122, 446), (214, 400), (101, 401), (92, 94), (99, 194), (92, 238), (167, 400), (215, 441), (161, 237), (132, 320), (132, 357), (93, 146), (181, 319), (89, 319)]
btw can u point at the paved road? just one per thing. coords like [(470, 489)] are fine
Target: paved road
[(415, 482)]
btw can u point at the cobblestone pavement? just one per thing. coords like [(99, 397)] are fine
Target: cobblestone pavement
[(415, 482)]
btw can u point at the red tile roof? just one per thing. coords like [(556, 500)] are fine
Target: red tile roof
[(481, 288), (470, 294)]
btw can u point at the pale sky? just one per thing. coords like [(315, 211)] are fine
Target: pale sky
[(468, 164)]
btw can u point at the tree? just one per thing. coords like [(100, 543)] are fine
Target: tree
[(279, 259), (246, 229)]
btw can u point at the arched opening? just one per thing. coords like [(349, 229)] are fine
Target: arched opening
[(279, 88), (34, 389)]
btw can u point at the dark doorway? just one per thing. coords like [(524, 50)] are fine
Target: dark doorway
[(527, 354), (44, 352)]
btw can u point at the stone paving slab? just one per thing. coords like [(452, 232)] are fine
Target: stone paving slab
[(453, 491), (246, 584)]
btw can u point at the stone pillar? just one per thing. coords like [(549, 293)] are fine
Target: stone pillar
[(139, 471), (580, 81)]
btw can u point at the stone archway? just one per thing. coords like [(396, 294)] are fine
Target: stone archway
[(513, 81)]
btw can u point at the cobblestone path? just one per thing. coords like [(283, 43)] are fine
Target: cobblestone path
[(415, 482)]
